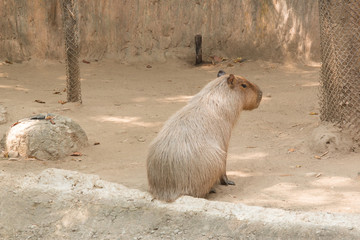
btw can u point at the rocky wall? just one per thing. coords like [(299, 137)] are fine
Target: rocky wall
[(61, 204), (276, 30)]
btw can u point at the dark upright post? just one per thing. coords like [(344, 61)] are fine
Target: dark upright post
[(198, 49)]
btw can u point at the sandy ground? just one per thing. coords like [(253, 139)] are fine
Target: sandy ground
[(124, 106)]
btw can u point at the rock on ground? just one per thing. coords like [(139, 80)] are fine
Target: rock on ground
[(46, 137), (327, 137), (61, 204)]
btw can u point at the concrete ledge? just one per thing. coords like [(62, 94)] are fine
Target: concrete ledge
[(61, 204)]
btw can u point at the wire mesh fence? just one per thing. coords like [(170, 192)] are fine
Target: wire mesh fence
[(340, 71), (72, 49)]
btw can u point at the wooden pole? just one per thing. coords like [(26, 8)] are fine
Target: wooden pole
[(198, 49)]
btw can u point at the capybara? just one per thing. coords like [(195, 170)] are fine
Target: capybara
[(188, 156)]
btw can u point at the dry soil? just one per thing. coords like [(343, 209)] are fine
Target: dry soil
[(275, 158)]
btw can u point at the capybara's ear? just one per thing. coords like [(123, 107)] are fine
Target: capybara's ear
[(220, 73), (231, 80)]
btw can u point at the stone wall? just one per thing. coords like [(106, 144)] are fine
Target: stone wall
[(275, 30)]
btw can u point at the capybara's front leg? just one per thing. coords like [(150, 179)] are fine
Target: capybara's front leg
[(225, 181)]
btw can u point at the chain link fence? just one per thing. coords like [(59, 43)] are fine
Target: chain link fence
[(340, 71), (72, 49)]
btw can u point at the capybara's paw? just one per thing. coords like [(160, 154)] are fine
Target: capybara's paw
[(212, 190), (225, 181), (229, 182)]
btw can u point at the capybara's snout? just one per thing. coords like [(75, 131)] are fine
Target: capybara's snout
[(259, 97)]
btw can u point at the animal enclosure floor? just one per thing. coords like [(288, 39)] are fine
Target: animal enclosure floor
[(125, 105)]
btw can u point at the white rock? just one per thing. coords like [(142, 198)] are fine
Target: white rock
[(45, 139)]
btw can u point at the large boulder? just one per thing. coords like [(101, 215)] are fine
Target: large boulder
[(46, 137)]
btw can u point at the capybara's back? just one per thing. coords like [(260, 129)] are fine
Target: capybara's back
[(188, 156)]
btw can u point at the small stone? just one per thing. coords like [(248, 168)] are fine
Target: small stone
[(310, 174), (13, 154), (141, 139), (32, 226), (268, 95)]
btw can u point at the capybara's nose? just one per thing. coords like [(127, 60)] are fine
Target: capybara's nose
[(259, 96)]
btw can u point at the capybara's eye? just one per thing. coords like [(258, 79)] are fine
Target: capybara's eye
[(244, 85)]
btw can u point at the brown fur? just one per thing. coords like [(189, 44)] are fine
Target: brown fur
[(188, 156)]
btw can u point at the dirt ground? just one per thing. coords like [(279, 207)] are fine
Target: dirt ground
[(272, 158)]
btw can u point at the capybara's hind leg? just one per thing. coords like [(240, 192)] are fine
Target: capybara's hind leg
[(225, 181)]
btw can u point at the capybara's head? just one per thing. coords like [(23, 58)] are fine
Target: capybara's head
[(251, 93)]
